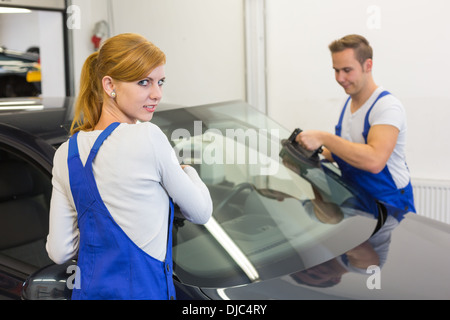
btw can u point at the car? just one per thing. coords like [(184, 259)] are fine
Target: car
[(20, 73), (285, 225)]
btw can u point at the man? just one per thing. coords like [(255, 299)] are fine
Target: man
[(370, 138)]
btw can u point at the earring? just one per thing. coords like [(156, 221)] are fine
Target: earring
[(113, 94)]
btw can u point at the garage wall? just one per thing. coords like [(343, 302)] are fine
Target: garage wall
[(411, 42), (203, 41)]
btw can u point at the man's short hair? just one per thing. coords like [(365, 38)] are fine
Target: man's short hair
[(359, 44)]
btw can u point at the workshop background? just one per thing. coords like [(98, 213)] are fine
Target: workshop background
[(274, 54)]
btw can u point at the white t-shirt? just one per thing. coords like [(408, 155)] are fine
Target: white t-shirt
[(387, 110), (136, 170)]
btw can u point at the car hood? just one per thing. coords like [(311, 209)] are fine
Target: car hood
[(417, 267), (47, 118)]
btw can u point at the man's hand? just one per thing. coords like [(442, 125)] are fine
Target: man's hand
[(311, 139), (371, 157)]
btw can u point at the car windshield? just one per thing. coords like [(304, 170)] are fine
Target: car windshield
[(274, 211)]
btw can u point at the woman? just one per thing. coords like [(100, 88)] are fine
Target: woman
[(115, 179)]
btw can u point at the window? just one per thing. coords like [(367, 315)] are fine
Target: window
[(25, 191), (32, 52)]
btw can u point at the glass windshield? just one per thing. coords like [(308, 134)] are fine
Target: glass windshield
[(274, 213)]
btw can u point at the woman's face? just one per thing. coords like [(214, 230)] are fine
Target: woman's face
[(138, 100)]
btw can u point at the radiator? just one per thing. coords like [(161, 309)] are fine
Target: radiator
[(432, 199)]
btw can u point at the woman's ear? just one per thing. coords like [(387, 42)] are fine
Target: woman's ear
[(108, 85)]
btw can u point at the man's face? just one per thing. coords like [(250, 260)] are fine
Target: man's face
[(348, 71)]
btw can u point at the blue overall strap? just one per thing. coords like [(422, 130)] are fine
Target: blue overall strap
[(171, 293), (366, 120), (338, 127), (77, 176), (73, 146), (99, 142)]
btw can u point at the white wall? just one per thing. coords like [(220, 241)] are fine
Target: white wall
[(411, 42), (52, 57), (89, 13), (203, 41)]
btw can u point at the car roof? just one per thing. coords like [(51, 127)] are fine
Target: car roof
[(18, 55)]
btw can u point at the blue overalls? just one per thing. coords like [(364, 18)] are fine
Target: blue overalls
[(381, 185), (110, 264)]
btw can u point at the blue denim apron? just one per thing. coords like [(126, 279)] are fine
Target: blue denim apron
[(110, 264), (381, 185)]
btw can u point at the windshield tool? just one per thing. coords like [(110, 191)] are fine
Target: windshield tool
[(295, 150)]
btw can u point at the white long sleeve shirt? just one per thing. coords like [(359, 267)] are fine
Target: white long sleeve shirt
[(136, 170)]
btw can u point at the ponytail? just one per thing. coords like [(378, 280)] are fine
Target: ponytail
[(89, 102)]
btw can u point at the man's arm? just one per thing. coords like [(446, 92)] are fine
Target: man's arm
[(371, 157)]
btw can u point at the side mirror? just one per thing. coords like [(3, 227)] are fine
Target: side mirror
[(54, 282)]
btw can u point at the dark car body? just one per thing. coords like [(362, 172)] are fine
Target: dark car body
[(29, 133), (269, 237)]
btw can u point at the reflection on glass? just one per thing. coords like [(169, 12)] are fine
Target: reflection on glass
[(267, 220), (366, 258)]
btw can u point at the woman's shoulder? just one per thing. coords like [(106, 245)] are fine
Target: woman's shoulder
[(142, 131), (62, 150), (141, 127)]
